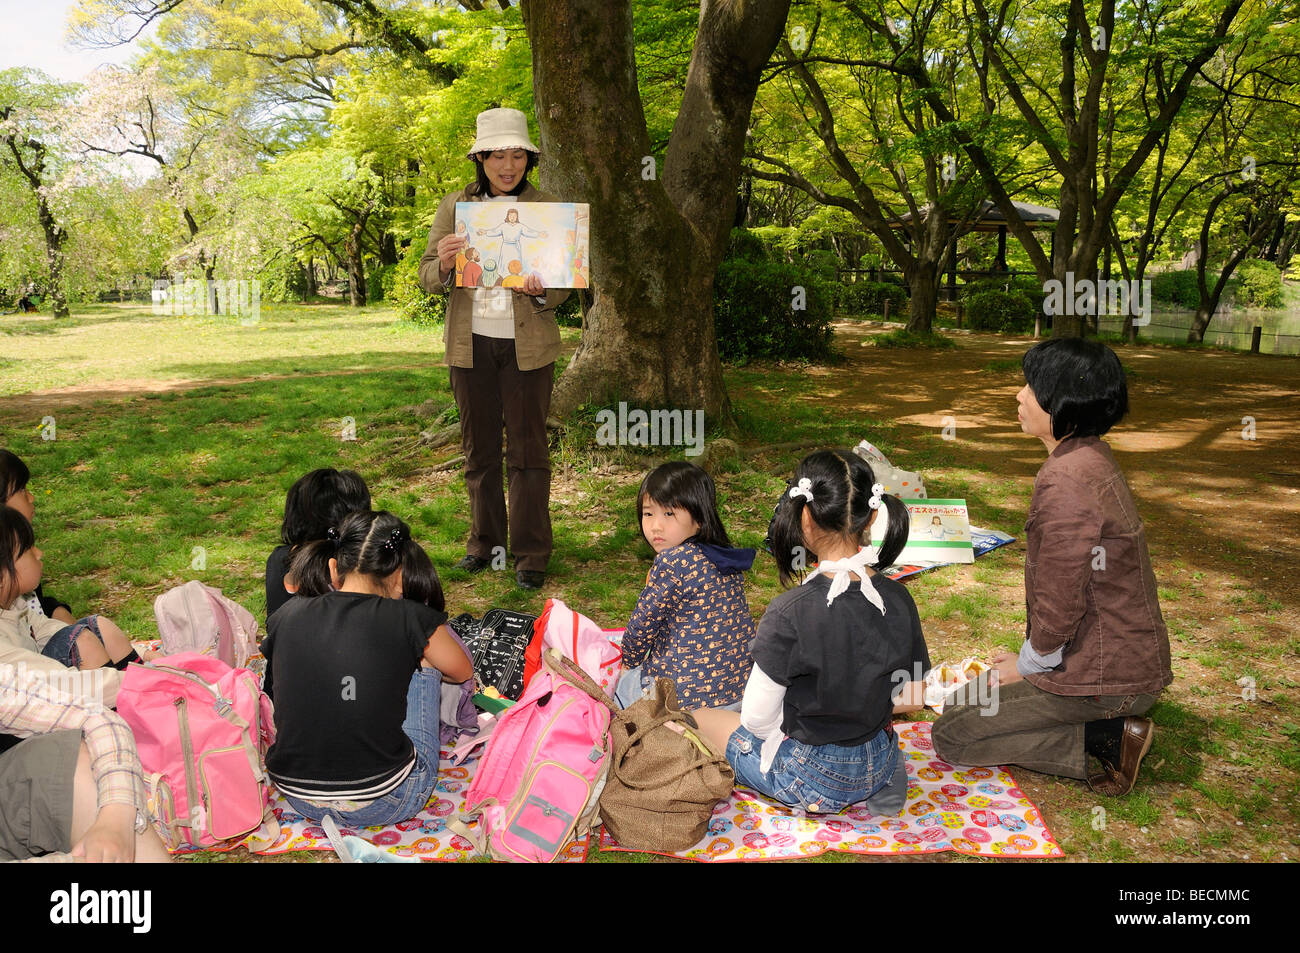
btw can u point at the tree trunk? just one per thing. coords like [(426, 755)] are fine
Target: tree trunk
[(923, 287), (55, 236), (356, 267), (309, 269), (658, 229)]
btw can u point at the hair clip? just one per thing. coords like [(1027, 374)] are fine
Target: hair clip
[(395, 537), (804, 489), (876, 492), (332, 535)]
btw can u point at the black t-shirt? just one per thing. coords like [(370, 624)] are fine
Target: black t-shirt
[(838, 663), (342, 663), (277, 564)]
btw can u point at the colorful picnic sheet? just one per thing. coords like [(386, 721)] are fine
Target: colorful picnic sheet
[(424, 836), (976, 811)]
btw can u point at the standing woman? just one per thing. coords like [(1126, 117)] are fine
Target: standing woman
[(501, 349), (1097, 653)]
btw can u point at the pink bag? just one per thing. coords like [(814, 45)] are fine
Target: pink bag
[(202, 729), (539, 782), (198, 618), (575, 636)]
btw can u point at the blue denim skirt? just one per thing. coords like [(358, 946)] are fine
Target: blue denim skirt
[(822, 779)]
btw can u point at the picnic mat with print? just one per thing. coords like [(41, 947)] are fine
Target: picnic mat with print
[(424, 836), (976, 811)]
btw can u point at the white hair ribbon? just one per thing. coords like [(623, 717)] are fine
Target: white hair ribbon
[(840, 569)]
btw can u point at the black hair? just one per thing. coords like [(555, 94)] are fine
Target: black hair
[(1079, 383), (319, 500), (13, 474), (420, 580), (683, 485), (16, 537), (375, 544), (482, 185), (840, 482)]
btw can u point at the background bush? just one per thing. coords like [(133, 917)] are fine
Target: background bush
[(868, 297), (413, 303), (1001, 311), (1260, 284), (754, 318), (1176, 288)]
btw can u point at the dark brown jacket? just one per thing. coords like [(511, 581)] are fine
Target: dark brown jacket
[(1088, 582)]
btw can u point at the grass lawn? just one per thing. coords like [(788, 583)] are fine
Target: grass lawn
[(174, 440)]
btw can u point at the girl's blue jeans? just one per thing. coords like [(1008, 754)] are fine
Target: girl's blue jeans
[(824, 779), (410, 797)]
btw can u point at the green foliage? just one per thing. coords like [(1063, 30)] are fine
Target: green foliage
[(746, 245), (868, 297), (1001, 311), (754, 314), (379, 281), (283, 279), (413, 303), (1260, 284), (1176, 288), (909, 339)]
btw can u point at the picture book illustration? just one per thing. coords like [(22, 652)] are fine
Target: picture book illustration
[(507, 241), (939, 532)]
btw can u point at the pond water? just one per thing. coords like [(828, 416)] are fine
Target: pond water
[(1229, 329)]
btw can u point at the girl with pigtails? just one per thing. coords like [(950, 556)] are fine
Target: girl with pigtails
[(357, 672), (834, 657)]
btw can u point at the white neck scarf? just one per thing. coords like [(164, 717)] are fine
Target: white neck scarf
[(839, 570)]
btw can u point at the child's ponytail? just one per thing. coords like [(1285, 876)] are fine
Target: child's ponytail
[(309, 567), (896, 532)]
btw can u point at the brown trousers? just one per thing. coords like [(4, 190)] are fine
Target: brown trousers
[(491, 393), (1030, 727)]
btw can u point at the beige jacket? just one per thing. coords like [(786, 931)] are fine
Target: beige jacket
[(23, 633), (537, 336)]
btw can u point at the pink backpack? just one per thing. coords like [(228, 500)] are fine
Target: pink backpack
[(198, 618), (202, 729), (575, 636), (539, 782)]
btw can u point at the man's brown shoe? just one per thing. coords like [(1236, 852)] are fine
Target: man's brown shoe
[(1135, 742)]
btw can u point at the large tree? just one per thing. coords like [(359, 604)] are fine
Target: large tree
[(1061, 103), (28, 101), (658, 229)]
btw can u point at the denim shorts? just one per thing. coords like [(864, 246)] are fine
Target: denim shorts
[(823, 779), (62, 646)]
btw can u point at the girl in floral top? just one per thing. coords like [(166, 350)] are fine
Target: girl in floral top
[(691, 623)]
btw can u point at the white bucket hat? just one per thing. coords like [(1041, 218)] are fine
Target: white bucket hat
[(501, 129)]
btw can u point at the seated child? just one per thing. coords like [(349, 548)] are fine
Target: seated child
[(13, 484), (357, 676), (75, 784), (317, 501), (691, 622), (41, 643), (835, 657)]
